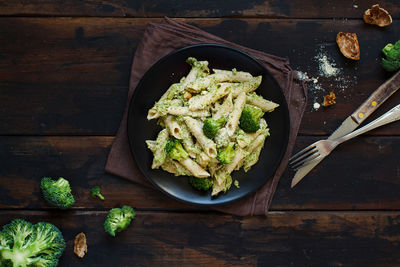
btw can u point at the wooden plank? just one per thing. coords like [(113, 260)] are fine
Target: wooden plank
[(363, 174), (81, 160), (188, 239), (161, 8), (85, 62)]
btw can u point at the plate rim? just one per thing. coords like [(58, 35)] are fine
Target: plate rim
[(130, 114)]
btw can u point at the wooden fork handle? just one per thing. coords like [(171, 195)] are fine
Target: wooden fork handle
[(377, 98)]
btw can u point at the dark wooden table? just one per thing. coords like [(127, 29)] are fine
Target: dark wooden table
[(64, 70)]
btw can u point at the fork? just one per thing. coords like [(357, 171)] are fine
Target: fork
[(323, 148)]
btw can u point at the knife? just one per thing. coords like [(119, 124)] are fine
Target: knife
[(356, 118)]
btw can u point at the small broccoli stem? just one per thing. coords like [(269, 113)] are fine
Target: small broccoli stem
[(61, 182), (17, 257), (100, 196)]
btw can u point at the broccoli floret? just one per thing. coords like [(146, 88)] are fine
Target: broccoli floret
[(211, 126), (226, 154), (57, 193), (25, 244), (118, 219), (202, 184), (392, 54), (250, 118), (175, 150), (95, 192)]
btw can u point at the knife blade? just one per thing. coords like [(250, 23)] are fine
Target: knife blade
[(379, 96)]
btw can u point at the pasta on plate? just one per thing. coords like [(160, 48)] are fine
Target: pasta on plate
[(212, 125)]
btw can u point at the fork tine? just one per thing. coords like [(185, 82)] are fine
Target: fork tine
[(312, 146), (305, 161), (304, 155)]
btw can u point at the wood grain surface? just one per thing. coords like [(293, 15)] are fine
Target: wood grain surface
[(210, 239), (192, 8), (333, 185), (64, 72)]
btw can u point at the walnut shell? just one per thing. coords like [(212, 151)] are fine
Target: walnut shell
[(329, 99), (348, 45), (80, 246), (377, 16)]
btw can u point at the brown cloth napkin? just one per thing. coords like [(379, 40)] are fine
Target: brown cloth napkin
[(160, 39)]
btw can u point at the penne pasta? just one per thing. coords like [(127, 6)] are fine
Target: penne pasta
[(196, 129), (233, 76), (225, 108), (181, 111), (260, 102), (194, 168), (233, 119), (256, 143), (173, 126), (246, 87), (252, 159), (159, 149), (172, 166), (203, 159), (254, 151), (201, 101), (187, 140), (218, 77)]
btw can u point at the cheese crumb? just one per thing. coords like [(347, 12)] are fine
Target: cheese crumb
[(326, 68), (316, 106)]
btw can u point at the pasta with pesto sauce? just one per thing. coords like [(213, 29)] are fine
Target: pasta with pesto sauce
[(212, 125)]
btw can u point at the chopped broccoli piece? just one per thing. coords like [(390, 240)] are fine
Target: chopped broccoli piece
[(236, 183), (118, 219), (211, 126), (227, 154), (250, 118), (175, 150), (392, 54), (57, 193), (95, 192), (202, 184), (194, 63), (25, 244)]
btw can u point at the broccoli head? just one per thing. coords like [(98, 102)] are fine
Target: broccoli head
[(25, 244), (95, 192), (250, 119), (118, 219), (201, 184), (392, 54), (211, 126), (175, 150), (57, 193), (226, 154)]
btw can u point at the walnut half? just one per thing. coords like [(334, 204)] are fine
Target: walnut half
[(377, 16), (80, 246), (329, 99), (348, 45)]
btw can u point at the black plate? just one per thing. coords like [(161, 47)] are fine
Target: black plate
[(169, 70)]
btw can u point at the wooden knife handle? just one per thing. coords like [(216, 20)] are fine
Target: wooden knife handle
[(377, 98)]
